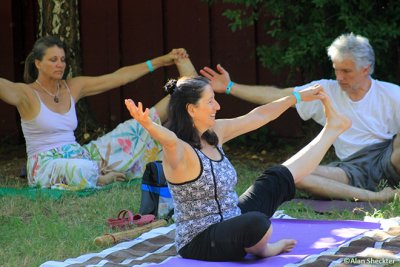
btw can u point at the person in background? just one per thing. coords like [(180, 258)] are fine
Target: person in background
[(212, 222), (46, 104), (368, 168)]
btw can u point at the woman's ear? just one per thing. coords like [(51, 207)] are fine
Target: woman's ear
[(37, 63), (190, 109)]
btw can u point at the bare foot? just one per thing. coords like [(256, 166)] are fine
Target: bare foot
[(387, 194), (281, 246), (110, 177), (334, 119)]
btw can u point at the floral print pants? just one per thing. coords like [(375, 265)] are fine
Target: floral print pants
[(127, 149)]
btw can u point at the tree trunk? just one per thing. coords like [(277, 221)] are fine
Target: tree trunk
[(61, 18)]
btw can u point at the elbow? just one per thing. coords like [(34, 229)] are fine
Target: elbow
[(261, 99), (170, 145)]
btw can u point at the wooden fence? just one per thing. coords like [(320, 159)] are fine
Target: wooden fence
[(115, 33)]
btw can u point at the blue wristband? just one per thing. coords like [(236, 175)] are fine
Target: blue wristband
[(297, 96), (149, 65), (229, 87)]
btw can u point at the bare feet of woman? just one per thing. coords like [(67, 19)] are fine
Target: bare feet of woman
[(110, 177), (281, 246), (334, 120)]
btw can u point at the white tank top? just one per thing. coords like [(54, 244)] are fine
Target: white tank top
[(49, 129)]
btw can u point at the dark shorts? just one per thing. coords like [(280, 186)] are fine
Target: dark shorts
[(370, 168), (226, 241)]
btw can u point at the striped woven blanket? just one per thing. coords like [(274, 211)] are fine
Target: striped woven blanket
[(320, 243)]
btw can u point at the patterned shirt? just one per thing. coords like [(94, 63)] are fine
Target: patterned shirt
[(208, 199)]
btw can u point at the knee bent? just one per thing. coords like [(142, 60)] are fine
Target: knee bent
[(301, 184), (256, 225)]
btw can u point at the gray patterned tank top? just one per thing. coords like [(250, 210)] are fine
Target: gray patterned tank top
[(206, 200)]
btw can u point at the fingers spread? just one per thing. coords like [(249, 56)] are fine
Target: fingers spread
[(146, 112), (140, 108), (220, 68), (130, 105), (206, 74)]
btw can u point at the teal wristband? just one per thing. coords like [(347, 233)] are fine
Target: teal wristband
[(229, 87), (297, 96), (149, 65)]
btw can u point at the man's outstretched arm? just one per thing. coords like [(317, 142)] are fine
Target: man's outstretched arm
[(258, 94)]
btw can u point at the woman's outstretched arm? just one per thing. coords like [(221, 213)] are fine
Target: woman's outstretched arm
[(19, 95), (174, 150), (228, 129), (10, 92), (257, 94), (86, 86)]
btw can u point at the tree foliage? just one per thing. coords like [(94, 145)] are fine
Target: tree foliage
[(302, 30)]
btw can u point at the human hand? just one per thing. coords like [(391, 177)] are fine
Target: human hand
[(174, 56), (219, 81), (313, 92), (137, 112), (184, 64)]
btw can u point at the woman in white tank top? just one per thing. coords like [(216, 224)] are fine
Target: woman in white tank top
[(46, 104)]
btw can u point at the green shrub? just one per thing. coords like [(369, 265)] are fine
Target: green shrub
[(301, 30)]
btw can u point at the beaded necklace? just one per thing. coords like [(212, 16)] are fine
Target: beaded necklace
[(55, 96)]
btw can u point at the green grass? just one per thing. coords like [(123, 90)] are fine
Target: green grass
[(35, 231)]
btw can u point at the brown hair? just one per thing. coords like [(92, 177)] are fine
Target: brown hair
[(38, 51)]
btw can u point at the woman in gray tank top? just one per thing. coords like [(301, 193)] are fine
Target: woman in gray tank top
[(212, 222)]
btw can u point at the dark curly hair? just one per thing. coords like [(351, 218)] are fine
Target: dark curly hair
[(170, 86)]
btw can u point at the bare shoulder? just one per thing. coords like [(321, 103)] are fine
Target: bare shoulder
[(221, 127), (75, 85), (26, 101), (74, 82), (186, 170), (28, 94)]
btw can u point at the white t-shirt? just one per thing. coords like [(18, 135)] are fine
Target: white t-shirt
[(375, 118)]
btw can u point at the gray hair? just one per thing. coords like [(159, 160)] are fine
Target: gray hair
[(355, 46)]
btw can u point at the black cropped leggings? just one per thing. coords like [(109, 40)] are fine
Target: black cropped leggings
[(227, 240)]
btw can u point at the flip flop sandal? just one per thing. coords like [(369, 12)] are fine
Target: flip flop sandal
[(140, 220), (124, 218)]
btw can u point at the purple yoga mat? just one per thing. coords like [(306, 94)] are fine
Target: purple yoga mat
[(313, 237), (323, 206)]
